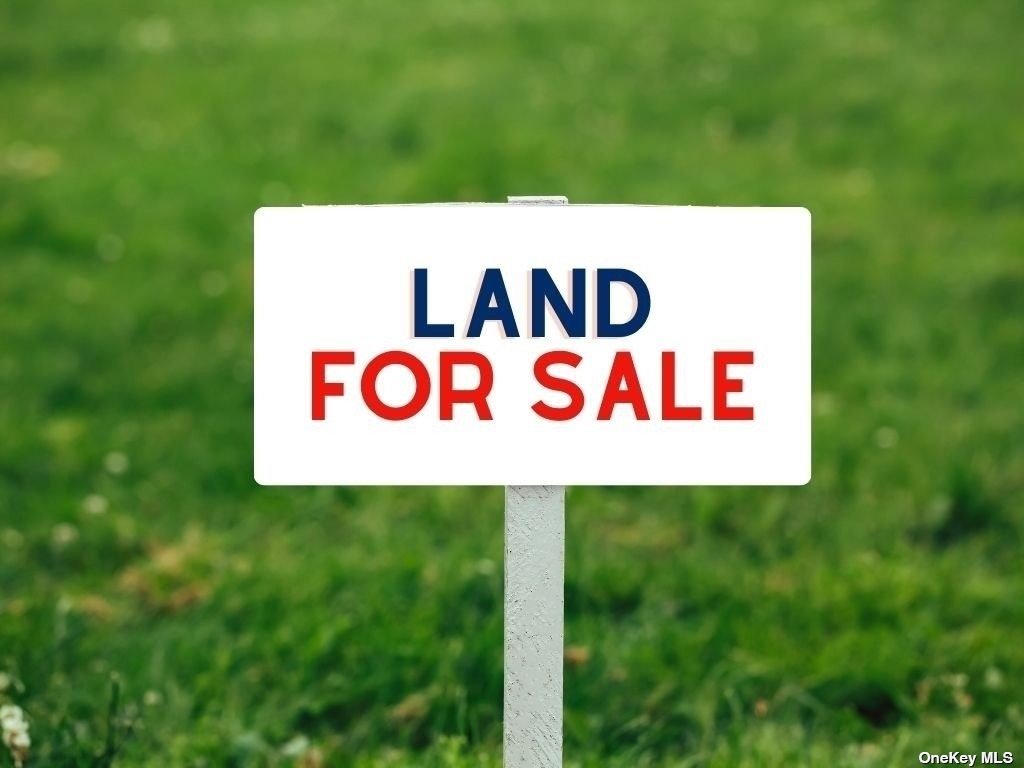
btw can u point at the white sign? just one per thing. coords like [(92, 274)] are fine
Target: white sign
[(477, 344)]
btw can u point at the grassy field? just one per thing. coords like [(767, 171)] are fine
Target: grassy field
[(873, 614)]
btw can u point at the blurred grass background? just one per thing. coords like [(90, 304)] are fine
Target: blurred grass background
[(876, 613)]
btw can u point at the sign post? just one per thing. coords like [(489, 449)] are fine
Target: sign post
[(534, 614)]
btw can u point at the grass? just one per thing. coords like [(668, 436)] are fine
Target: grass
[(874, 614)]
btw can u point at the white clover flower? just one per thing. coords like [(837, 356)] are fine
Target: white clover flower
[(116, 463), (14, 733), (95, 504), (11, 718)]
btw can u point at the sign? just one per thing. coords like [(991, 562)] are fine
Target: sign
[(495, 344)]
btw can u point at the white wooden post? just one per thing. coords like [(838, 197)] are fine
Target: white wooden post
[(534, 614)]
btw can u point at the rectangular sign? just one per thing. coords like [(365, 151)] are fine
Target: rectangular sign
[(497, 344)]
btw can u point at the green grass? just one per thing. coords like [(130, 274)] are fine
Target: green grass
[(875, 613)]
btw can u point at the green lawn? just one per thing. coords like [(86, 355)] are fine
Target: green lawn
[(873, 614)]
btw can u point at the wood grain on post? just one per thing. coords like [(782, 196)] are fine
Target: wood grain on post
[(534, 614)]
